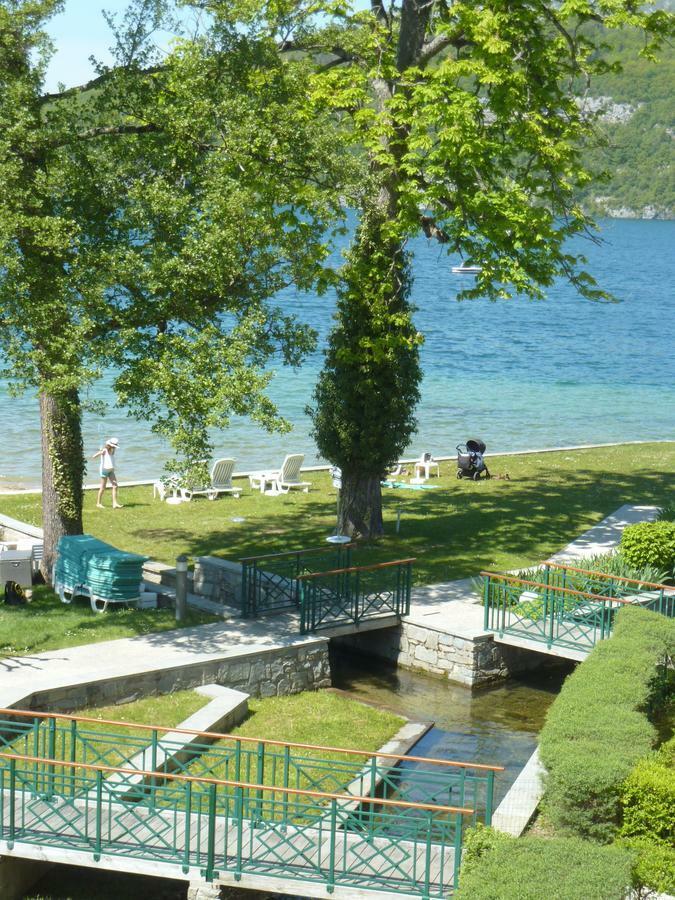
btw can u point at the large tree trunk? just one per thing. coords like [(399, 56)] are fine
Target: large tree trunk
[(360, 512), (62, 471)]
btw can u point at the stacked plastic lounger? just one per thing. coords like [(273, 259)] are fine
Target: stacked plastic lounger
[(91, 568)]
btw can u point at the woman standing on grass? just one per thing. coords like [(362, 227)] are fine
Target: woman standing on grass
[(107, 454)]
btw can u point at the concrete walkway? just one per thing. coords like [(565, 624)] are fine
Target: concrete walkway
[(453, 607), (108, 661)]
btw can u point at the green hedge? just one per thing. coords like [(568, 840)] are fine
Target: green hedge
[(597, 728), (648, 797), (650, 544), (648, 802), (498, 867)]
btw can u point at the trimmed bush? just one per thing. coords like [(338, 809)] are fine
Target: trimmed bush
[(648, 802), (597, 728), (648, 798), (654, 866), (497, 867), (649, 544)]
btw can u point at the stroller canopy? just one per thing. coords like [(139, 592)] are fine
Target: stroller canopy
[(475, 445)]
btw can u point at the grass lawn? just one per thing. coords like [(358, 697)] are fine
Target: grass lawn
[(168, 710), (48, 624), (454, 531), (312, 717), (320, 717)]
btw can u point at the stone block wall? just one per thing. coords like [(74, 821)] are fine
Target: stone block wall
[(268, 673), (468, 660), (218, 580)]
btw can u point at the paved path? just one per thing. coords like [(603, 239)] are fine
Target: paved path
[(20, 677), (453, 607)]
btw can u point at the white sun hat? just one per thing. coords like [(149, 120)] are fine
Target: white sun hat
[(112, 442)]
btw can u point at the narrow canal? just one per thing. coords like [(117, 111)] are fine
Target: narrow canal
[(496, 725)]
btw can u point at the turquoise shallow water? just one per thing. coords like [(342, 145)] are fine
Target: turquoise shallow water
[(519, 374)]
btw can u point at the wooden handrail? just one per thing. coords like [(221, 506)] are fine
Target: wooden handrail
[(245, 559), (173, 776), (384, 565), (35, 714), (650, 584), (552, 587)]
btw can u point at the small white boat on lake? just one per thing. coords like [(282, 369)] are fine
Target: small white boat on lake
[(466, 270)]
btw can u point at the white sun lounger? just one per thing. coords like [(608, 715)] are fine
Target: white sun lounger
[(221, 482), (282, 480)]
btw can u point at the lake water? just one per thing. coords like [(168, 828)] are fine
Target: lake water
[(519, 374)]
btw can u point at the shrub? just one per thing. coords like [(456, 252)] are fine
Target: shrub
[(597, 728), (648, 798), (617, 564), (654, 864), (497, 867), (650, 544), (666, 513)]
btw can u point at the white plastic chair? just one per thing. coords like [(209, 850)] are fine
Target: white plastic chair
[(282, 480), (424, 465), (221, 482)]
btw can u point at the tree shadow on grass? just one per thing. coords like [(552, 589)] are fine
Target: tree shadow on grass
[(454, 531)]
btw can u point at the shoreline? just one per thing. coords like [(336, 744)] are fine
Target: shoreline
[(17, 488)]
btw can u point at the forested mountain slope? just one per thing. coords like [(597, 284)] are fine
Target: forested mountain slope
[(637, 131)]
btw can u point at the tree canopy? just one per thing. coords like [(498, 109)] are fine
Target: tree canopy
[(147, 221)]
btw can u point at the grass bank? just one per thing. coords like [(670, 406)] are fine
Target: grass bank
[(454, 531), (312, 717), (48, 624)]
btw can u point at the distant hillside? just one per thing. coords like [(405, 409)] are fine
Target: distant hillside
[(638, 128)]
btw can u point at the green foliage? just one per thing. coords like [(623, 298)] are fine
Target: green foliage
[(148, 222), (367, 392), (617, 564), (649, 544), (497, 867), (648, 798), (666, 512), (597, 728), (637, 153), (472, 133), (654, 865)]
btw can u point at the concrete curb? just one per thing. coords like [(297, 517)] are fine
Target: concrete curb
[(520, 803), (226, 710)]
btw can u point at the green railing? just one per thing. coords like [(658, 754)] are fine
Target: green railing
[(81, 741), (350, 595), (270, 583), (282, 812), (565, 607), (657, 597)]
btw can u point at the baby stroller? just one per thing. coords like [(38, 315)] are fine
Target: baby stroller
[(470, 462)]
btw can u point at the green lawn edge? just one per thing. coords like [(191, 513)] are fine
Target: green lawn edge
[(453, 531)]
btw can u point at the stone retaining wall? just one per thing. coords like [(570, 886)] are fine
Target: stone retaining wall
[(264, 673), (218, 580), (471, 661)]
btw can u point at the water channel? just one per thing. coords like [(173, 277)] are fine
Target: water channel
[(496, 725)]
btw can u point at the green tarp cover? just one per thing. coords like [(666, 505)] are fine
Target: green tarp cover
[(109, 573)]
